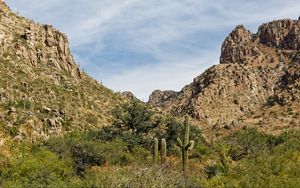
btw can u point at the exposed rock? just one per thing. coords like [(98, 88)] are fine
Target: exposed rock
[(43, 85), (237, 46), (46, 109), (12, 110), (255, 70), (35, 43), (129, 95), (158, 97), (280, 34)]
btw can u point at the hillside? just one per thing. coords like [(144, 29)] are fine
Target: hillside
[(43, 92), (257, 82), (61, 128)]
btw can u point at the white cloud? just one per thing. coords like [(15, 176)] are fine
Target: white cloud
[(165, 76)]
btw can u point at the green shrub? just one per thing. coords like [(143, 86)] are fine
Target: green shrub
[(87, 152), (40, 169), (274, 162), (141, 155), (134, 123), (254, 141), (136, 117)]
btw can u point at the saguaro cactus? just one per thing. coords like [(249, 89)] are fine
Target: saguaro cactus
[(155, 151), (163, 150), (185, 145)]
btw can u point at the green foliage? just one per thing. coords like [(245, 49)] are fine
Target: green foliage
[(40, 169), (135, 117), (80, 160), (86, 152), (272, 161), (13, 130), (136, 124), (254, 142)]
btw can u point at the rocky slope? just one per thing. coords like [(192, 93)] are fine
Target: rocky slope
[(257, 82), (157, 97), (43, 93)]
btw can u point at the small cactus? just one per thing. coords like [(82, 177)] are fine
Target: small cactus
[(163, 150), (155, 151), (186, 145)]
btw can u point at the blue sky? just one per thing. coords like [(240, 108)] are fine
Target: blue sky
[(142, 45)]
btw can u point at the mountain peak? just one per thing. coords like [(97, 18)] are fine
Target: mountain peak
[(230, 49), (241, 46), (258, 73), (282, 34), (158, 97)]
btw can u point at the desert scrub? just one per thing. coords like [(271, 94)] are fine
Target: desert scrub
[(40, 169), (134, 176)]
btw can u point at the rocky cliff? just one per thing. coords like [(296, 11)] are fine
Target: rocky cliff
[(157, 97), (257, 82), (43, 92)]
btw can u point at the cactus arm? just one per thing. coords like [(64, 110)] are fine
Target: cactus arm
[(190, 145), (179, 142)]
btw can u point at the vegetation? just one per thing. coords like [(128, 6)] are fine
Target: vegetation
[(163, 151), (155, 151), (186, 145), (109, 158)]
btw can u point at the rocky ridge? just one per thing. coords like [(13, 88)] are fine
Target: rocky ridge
[(255, 84), (157, 97), (43, 92)]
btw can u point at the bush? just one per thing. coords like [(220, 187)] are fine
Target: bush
[(274, 162), (255, 142), (134, 123), (136, 117), (137, 124), (87, 152), (40, 169)]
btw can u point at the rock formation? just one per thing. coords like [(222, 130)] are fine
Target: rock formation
[(157, 97), (258, 74), (43, 93)]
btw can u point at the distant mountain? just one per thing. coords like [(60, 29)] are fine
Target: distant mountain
[(43, 92), (257, 82)]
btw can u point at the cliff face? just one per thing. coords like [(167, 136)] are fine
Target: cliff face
[(258, 74), (42, 91), (33, 43), (157, 97)]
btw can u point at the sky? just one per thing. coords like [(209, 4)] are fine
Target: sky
[(143, 45)]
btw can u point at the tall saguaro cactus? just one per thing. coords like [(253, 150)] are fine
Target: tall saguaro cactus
[(185, 145), (163, 150), (155, 151)]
